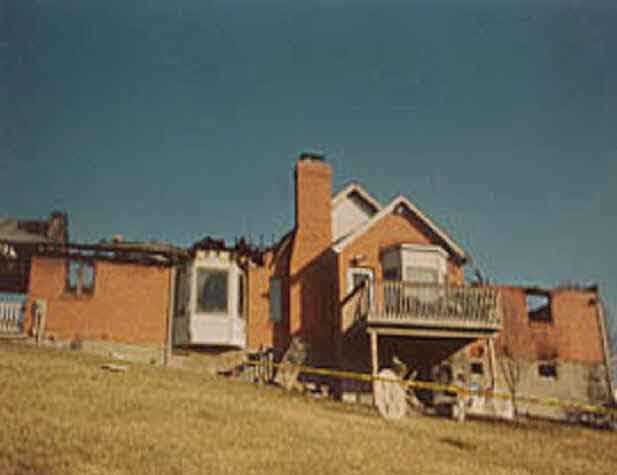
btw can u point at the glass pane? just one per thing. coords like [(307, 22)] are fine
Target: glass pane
[(422, 276), (88, 276), (73, 274), (211, 291), (426, 277)]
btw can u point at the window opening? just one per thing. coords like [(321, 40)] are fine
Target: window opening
[(539, 307), (477, 367), (276, 300), (80, 277), (547, 370), (211, 291)]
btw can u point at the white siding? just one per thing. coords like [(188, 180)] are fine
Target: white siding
[(349, 215)]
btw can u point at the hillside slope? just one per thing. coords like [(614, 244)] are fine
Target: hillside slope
[(62, 414)]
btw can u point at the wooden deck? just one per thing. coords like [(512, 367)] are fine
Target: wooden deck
[(441, 310)]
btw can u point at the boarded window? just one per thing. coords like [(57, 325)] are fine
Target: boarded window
[(276, 300), (547, 370), (539, 307), (211, 291), (80, 277)]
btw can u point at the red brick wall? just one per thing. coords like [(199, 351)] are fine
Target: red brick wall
[(312, 280), (573, 335), (129, 304), (260, 330)]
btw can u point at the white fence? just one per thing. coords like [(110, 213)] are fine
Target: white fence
[(11, 316)]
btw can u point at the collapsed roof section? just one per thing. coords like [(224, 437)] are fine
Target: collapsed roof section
[(241, 248), (129, 253)]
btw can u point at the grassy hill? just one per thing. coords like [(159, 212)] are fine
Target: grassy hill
[(60, 413)]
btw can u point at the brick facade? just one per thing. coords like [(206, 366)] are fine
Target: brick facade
[(130, 302), (573, 334)]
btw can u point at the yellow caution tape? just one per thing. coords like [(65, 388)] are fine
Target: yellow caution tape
[(364, 377)]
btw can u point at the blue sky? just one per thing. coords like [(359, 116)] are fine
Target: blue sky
[(173, 120)]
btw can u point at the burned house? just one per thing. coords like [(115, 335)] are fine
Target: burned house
[(362, 284)]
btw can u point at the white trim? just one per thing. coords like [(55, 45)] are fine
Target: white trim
[(217, 328), (355, 188), (400, 201)]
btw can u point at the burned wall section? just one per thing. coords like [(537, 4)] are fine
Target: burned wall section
[(129, 302), (556, 344)]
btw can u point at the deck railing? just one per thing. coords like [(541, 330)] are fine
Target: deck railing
[(11, 316), (406, 303)]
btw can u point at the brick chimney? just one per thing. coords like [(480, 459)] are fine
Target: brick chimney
[(313, 206), (313, 236)]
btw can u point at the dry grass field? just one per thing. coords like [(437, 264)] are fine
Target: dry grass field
[(61, 414)]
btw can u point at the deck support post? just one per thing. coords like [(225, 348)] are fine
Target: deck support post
[(374, 363)]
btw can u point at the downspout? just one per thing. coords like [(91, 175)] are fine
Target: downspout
[(605, 346)]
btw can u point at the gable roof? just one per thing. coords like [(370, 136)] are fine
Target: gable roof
[(401, 200), (355, 188)]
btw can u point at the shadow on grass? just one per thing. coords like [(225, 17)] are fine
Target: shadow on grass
[(458, 443)]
